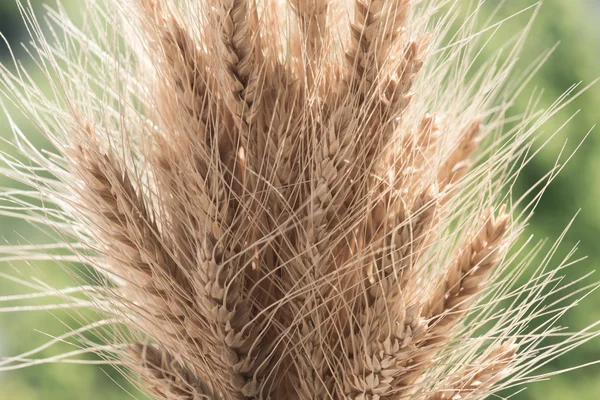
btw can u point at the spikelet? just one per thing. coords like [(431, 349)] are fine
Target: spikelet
[(282, 200), (166, 378)]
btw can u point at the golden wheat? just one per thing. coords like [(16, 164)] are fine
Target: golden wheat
[(285, 201)]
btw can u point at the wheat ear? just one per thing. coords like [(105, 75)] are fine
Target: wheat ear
[(166, 377), (462, 281), (472, 381)]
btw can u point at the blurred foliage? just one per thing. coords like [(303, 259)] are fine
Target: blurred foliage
[(575, 60)]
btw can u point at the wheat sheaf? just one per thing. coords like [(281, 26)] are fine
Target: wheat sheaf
[(308, 199)]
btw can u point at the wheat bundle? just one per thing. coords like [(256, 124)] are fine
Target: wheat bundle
[(279, 200)]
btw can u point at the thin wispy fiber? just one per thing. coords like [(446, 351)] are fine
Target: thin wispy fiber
[(289, 200)]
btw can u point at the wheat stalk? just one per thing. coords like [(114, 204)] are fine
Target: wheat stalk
[(282, 200)]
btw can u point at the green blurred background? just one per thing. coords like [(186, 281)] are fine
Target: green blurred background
[(573, 23)]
